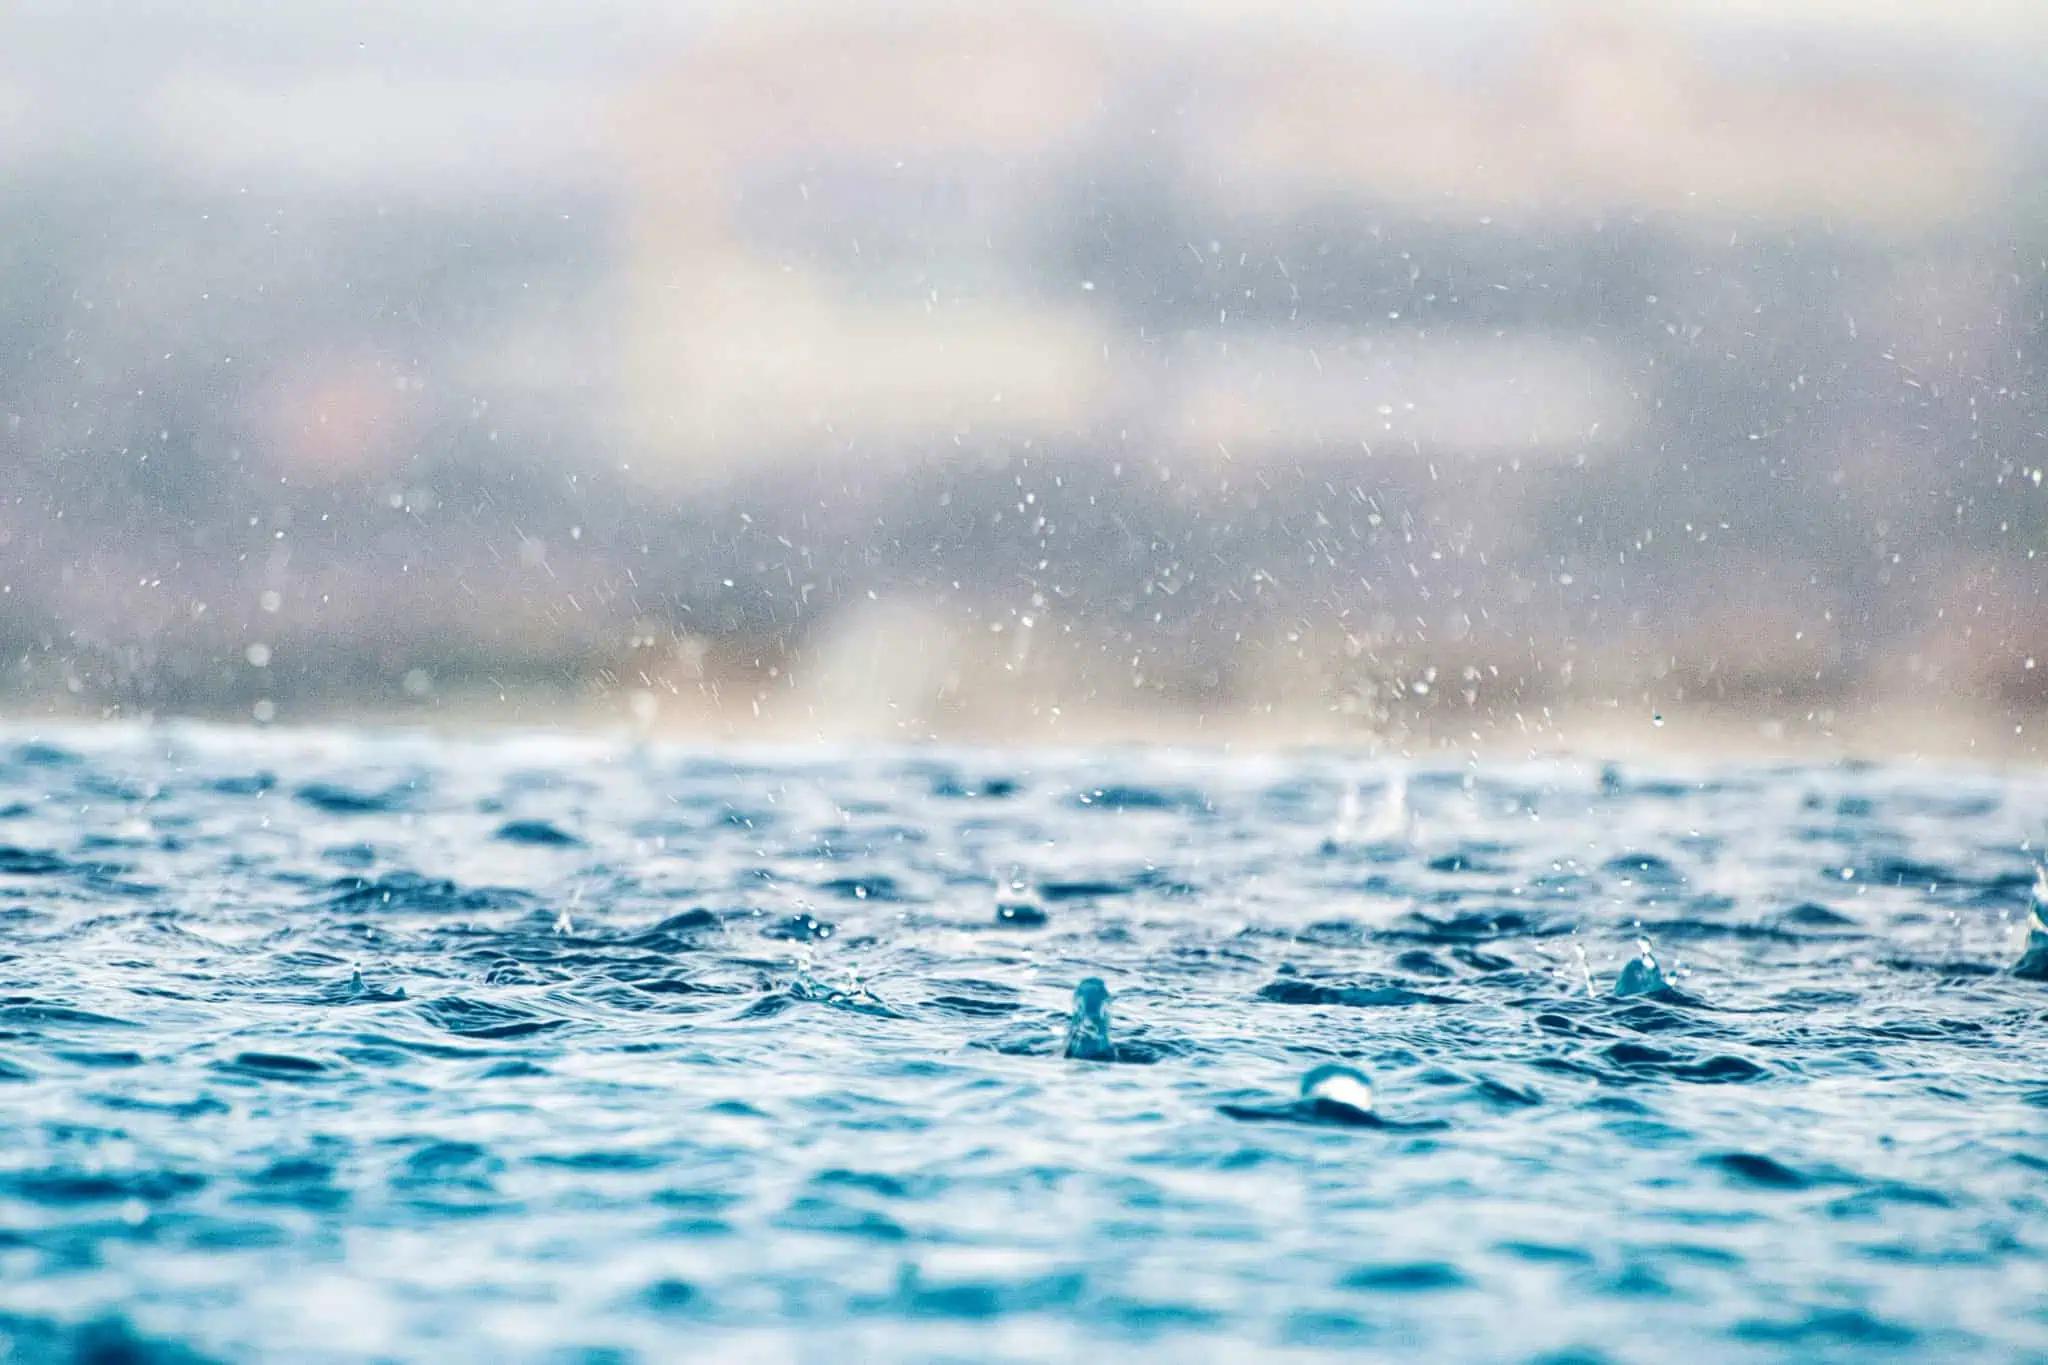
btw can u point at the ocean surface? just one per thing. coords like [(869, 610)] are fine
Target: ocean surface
[(352, 1046)]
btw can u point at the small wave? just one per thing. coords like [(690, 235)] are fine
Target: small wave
[(276, 1066), (1406, 1277), (984, 1002), (333, 799), (27, 1011), (468, 1018), (1824, 1326), (1642, 1060), (1476, 926), (1126, 797), (1754, 1168), (1292, 991), (37, 753), (536, 834), (30, 862), (400, 891), (677, 933), (1085, 889)]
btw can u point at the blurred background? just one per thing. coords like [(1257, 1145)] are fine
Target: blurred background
[(1430, 374)]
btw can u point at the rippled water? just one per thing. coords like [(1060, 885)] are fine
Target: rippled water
[(330, 1045)]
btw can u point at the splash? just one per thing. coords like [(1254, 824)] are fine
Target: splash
[(2033, 963), (1391, 822), (1585, 967), (1088, 1027), (1350, 810), (853, 994), (1394, 821), (1642, 975)]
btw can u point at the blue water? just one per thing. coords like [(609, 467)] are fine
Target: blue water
[(336, 1046)]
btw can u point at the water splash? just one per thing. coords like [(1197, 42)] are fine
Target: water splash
[(1350, 810), (1390, 823), (852, 994), (1088, 1026), (2033, 963), (1585, 967), (1641, 975), (1394, 821)]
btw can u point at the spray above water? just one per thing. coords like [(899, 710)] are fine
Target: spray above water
[(1390, 822), (1585, 967), (1350, 810), (1394, 821)]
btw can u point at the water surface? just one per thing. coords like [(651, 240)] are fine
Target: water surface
[(343, 1046)]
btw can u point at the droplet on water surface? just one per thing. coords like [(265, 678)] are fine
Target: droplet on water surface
[(1338, 1087)]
